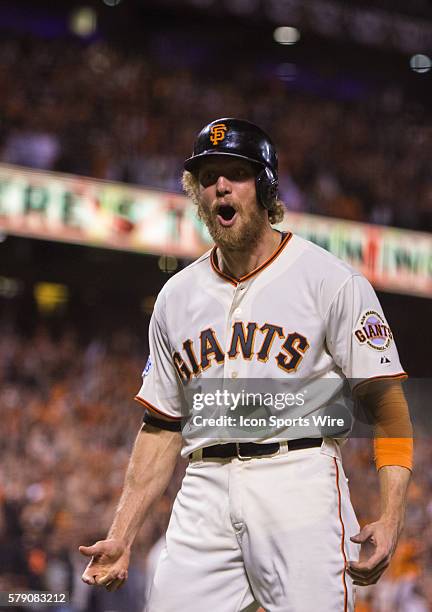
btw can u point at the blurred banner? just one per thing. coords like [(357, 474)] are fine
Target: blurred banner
[(71, 208), (395, 260), (112, 215)]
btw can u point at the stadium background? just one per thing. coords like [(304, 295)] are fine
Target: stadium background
[(116, 91)]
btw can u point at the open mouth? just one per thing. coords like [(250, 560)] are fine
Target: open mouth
[(226, 214)]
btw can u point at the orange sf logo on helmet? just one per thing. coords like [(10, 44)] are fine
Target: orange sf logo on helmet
[(217, 133)]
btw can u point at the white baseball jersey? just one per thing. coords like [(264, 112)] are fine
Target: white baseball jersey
[(303, 315)]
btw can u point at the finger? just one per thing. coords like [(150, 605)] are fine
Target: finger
[(89, 551), (370, 564), (371, 577), (358, 568), (115, 584), (93, 576), (369, 582), (375, 580), (88, 579), (362, 536), (362, 574), (104, 579), (119, 575), (355, 538)]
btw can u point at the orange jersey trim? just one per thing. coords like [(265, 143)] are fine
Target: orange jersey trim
[(342, 543), (400, 376), (156, 410), (267, 262)]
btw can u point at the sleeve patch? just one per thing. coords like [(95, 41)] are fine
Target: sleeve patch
[(147, 368), (372, 330)]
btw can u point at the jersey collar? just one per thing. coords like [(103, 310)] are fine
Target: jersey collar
[(235, 281)]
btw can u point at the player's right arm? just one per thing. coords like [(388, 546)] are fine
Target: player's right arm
[(150, 468), (152, 461)]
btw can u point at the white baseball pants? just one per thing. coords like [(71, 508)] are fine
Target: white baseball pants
[(268, 531)]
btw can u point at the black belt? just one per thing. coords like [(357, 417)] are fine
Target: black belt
[(245, 450)]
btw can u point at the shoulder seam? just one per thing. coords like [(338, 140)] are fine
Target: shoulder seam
[(311, 246), (350, 277)]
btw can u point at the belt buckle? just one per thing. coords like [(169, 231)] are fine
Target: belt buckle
[(239, 455)]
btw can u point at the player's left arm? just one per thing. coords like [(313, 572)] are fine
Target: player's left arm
[(362, 345), (393, 456)]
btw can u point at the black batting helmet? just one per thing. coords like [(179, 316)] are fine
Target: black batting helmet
[(245, 140)]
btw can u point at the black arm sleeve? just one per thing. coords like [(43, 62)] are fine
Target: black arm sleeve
[(150, 419)]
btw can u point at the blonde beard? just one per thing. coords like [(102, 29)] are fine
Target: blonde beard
[(232, 238)]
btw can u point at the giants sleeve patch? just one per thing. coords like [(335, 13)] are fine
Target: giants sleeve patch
[(372, 330)]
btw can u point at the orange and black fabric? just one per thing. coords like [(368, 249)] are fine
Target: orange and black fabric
[(393, 439)]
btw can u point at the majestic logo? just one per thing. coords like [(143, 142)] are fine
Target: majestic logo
[(217, 133), (373, 331)]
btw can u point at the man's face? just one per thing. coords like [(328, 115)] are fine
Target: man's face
[(228, 204)]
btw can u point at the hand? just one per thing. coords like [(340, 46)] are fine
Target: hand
[(109, 564), (378, 542)]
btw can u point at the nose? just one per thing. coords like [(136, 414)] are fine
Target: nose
[(223, 186)]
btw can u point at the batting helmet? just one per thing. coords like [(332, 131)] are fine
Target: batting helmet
[(242, 139)]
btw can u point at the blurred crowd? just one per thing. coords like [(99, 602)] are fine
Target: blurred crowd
[(407, 585), (68, 423), (99, 111)]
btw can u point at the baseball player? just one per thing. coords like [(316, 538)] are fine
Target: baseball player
[(268, 521)]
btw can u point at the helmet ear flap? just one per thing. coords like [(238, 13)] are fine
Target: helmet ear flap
[(266, 183)]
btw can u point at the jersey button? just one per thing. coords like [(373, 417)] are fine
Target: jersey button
[(234, 374), (237, 313), (241, 287)]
